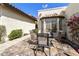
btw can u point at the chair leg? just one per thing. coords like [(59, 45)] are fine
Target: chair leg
[(36, 50), (43, 49), (34, 53), (49, 52)]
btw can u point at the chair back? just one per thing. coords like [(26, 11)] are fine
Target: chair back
[(43, 39)]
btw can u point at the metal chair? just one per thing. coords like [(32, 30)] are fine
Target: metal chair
[(42, 42)]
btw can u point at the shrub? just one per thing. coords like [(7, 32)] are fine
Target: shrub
[(2, 31), (35, 31), (15, 34)]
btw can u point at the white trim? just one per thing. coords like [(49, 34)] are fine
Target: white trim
[(52, 8)]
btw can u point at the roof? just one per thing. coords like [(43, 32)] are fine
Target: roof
[(63, 7), (17, 10), (53, 16)]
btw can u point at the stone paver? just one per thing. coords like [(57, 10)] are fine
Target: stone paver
[(23, 48)]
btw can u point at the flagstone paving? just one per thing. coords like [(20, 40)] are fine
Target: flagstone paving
[(23, 49)]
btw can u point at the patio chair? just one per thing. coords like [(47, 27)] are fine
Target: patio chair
[(42, 42)]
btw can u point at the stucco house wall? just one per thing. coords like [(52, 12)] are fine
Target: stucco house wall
[(14, 20), (0, 12), (72, 9), (44, 12)]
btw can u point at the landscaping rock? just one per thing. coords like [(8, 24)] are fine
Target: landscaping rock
[(56, 44), (69, 50), (23, 48), (64, 49)]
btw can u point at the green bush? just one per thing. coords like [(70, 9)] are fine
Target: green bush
[(35, 31), (15, 34)]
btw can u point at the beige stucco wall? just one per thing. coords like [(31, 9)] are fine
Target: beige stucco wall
[(0, 12), (72, 9), (13, 20), (50, 11)]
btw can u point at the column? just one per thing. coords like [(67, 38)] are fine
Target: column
[(41, 26), (57, 25), (44, 26)]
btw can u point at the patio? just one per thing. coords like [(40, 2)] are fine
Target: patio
[(22, 48)]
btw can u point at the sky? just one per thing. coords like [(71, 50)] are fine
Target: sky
[(32, 8)]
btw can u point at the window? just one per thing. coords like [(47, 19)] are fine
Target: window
[(51, 25), (60, 24)]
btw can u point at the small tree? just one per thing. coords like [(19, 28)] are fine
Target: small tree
[(73, 24)]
